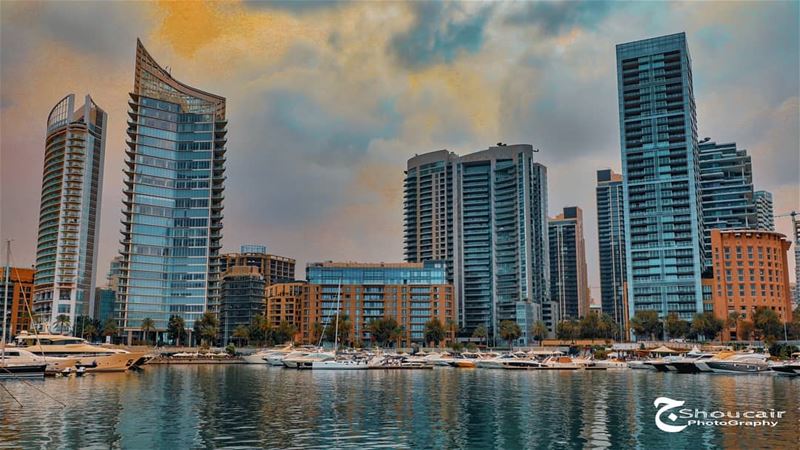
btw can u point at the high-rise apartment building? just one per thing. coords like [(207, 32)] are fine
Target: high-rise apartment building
[(173, 195), (569, 283), (661, 176), (18, 291), (487, 213), (765, 216), (242, 299), (726, 185), (611, 241), (72, 184)]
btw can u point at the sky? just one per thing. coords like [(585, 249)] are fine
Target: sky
[(326, 101)]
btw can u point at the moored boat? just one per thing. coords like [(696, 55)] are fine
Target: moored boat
[(13, 371), (19, 356), (95, 358)]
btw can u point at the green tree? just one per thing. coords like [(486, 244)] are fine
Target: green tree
[(176, 328), (317, 329), (732, 321), (767, 324), (434, 331), (148, 325), (383, 330), (242, 334), (539, 331), (745, 330), (646, 324), (590, 326), (609, 327), (110, 328), (285, 332), (89, 332), (706, 325), (207, 328), (344, 329), (675, 326), (261, 331), (480, 332), (510, 331), (62, 322), (568, 330)]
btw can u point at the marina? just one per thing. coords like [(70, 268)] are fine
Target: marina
[(267, 406)]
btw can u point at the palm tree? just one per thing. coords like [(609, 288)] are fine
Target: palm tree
[(89, 331), (732, 322), (509, 330), (148, 325), (434, 331), (539, 331), (176, 328), (110, 328), (242, 332), (480, 333), (452, 328), (62, 321)]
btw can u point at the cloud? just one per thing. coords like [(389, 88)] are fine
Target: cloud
[(441, 30), (296, 6), (557, 17)]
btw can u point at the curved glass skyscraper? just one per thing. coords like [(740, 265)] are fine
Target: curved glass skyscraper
[(70, 205), (173, 200)]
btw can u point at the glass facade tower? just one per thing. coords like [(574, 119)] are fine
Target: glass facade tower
[(173, 200), (569, 283), (72, 184), (661, 176), (487, 211), (726, 183), (611, 241), (765, 216)]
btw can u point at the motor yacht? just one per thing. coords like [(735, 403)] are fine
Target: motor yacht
[(640, 365), (341, 364), (19, 356), (560, 363), (305, 361), (791, 367), (689, 363), (262, 356), (95, 358), (611, 364), (730, 362)]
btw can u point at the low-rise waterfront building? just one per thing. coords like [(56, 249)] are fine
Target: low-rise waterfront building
[(274, 268), (411, 293), (750, 270), (242, 298), (18, 300), (286, 302)]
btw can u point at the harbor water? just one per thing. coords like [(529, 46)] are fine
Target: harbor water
[(240, 406)]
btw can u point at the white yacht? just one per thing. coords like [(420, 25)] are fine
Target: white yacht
[(341, 364), (95, 358), (560, 363), (729, 362), (304, 360), (19, 356)]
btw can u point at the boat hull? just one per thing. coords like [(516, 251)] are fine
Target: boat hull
[(787, 369), (22, 371), (255, 358), (737, 367)]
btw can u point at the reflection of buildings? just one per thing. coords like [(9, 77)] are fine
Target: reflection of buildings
[(569, 285), (72, 184), (750, 270), (485, 215), (19, 299), (175, 173), (660, 154), (242, 298), (411, 293)]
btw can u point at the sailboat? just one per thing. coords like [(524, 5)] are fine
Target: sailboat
[(9, 368), (339, 362)]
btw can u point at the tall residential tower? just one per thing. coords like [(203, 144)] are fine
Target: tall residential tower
[(569, 283), (765, 216), (72, 184), (173, 200), (485, 215), (611, 241), (661, 176)]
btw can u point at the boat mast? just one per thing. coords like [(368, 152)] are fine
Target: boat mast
[(336, 329), (6, 274)]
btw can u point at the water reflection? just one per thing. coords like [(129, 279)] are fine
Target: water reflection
[(228, 406)]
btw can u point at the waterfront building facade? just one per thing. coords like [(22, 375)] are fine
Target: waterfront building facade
[(726, 180), (274, 268), (661, 176), (72, 184), (765, 215), (104, 302), (611, 242), (286, 303), (18, 300), (485, 215), (174, 181), (411, 293), (796, 238), (242, 299), (750, 270), (569, 283)]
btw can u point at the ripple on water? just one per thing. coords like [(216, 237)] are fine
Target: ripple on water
[(258, 406)]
